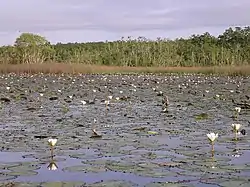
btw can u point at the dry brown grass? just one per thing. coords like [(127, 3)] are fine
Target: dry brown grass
[(56, 68), (9, 184)]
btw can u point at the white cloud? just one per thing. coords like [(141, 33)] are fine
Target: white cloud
[(108, 19)]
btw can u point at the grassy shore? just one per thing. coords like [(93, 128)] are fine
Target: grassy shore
[(57, 68)]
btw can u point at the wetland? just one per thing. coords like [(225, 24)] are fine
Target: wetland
[(140, 145)]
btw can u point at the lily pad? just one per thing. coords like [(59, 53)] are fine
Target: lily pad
[(5, 177), (83, 156), (62, 184), (113, 184), (22, 173), (168, 184), (85, 168), (25, 166), (152, 132), (202, 116), (233, 183)]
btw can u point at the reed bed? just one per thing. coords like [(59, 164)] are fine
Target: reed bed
[(58, 68)]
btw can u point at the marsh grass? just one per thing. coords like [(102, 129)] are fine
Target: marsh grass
[(58, 68)]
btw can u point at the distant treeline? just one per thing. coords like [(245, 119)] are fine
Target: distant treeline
[(230, 48)]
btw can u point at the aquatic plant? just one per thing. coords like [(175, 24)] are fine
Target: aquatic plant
[(202, 116), (236, 112), (212, 137), (83, 102), (236, 128), (52, 142), (94, 132)]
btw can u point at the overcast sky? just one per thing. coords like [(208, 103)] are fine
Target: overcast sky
[(95, 20)]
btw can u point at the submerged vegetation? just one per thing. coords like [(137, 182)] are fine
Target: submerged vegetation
[(232, 48)]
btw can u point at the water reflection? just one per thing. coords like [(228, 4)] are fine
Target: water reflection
[(213, 159), (236, 152), (52, 165)]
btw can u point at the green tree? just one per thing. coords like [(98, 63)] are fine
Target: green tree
[(33, 48), (230, 48)]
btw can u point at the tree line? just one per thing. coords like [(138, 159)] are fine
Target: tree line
[(230, 48)]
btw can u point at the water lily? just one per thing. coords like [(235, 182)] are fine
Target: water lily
[(237, 109), (106, 102), (212, 136), (83, 102), (52, 142), (236, 127)]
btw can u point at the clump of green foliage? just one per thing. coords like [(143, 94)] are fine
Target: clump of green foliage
[(202, 116), (230, 48)]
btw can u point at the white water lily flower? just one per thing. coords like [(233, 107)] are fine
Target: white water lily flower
[(212, 136), (7, 88), (110, 97), (52, 142), (236, 127), (83, 102), (237, 109), (106, 102)]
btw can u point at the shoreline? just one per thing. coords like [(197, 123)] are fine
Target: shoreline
[(74, 68)]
